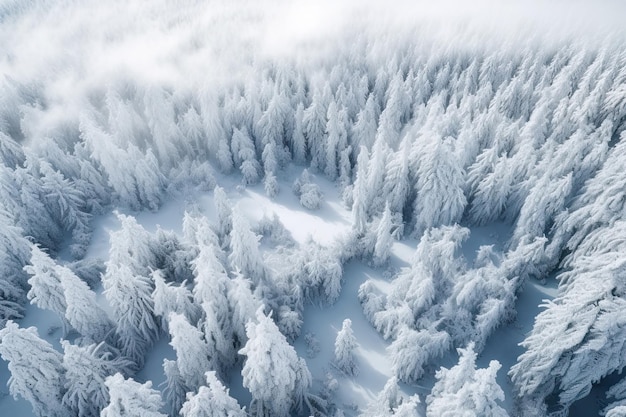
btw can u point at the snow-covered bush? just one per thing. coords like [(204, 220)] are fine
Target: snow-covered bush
[(308, 192)]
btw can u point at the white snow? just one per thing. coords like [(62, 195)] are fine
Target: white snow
[(324, 225)]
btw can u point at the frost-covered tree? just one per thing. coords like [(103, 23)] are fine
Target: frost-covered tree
[(409, 408), (314, 121), (364, 129), (171, 256), (616, 408), (309, 193), (414, 349), (171, 298), (211, 282), (390, 402), (46, 290), (323, 273), (134, 176), (37, 372), (175, 388), (246, 156), (132, 246), (193, 358), (14, 254), (336, 141), (396, 187), (440, 182), (271, 370), (128, 398), (270, 166), (132, 308), (66, 203), (465, 390), (345, 345), (245, 254), (211, 400), (298, 141), (567, 350), (224, 210), (82, 310), (361, 196), (243, 304), (376, 175), (86, 370), (436, 263), (384, 238), (161, 120)]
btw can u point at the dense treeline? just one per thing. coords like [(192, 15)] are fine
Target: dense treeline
[(421, 143)]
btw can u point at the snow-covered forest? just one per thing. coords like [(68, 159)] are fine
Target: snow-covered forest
[(283, 209)]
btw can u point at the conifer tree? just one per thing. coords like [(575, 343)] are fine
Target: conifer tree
[(465, 390), (384, 238), (211, 400), (244, 244), (128, 398), (298, 140), (271, 370), (86, 370), (193, 357), (132, 307), (37, 373), (345, 344)]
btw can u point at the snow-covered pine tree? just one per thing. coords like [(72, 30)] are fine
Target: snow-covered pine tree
[(66, 204), (246, 154), (82, 310), (224, 210), (298, 140), (130, 299), (465, 390), (161, 120), (243, 304), (440, 199), (211, 400), (387, 400), (193, 357), (271, 369), (46, 290), (361, 197), (174, 387), (128, 398), (396, 187), (345, 345), (384, 238), (37, 372), (134, 176), (337, 138), (14, 254), (245, 254), (395, 113), (86, 370), (270, 166), (172, 298), (414, 349), (309, 193), (132, 246), (364, 129), (314, 121)]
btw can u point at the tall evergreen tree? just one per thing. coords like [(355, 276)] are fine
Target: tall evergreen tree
[(37, 373), (345, 344)]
